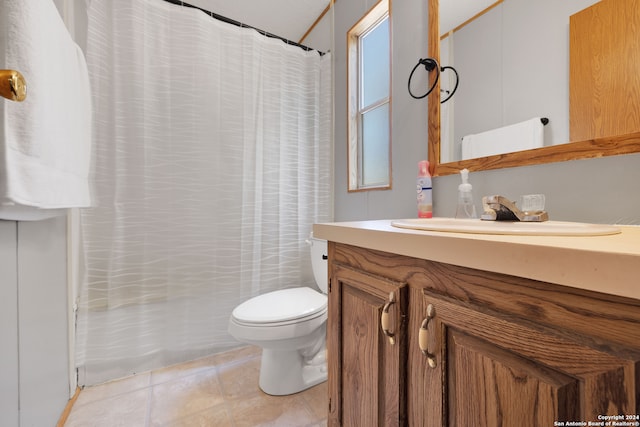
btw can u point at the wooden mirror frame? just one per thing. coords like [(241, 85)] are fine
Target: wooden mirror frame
[(600, 147)]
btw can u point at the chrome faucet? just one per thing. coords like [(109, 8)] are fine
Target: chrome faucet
[(498, 208)]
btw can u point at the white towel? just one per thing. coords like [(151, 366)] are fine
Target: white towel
[(517, 137), (45, 141)]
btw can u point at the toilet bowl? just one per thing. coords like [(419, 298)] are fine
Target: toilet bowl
[(290, 326)]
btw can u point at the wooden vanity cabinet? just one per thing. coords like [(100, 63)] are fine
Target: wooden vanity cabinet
[(474, 348), (367, 368)]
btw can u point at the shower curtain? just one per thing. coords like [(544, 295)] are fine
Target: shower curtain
[(212, 161)]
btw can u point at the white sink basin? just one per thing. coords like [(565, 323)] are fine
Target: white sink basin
[(477, 226)]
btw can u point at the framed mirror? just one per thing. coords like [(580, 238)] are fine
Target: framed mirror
[(600, 146)]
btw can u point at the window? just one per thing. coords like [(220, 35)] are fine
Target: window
[(369, 100)]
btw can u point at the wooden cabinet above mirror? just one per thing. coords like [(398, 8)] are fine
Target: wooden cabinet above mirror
[(604, 90), (610, 143)]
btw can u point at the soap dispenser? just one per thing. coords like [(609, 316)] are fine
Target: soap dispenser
[(466, 208)]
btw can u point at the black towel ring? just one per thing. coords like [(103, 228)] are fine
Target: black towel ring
[(447, 67), (430, 64)]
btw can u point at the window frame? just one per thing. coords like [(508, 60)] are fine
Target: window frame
[(355, 96)]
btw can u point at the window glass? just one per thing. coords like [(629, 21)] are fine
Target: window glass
[(375, 64), (375, 146)]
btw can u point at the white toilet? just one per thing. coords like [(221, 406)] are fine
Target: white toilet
[(290, 326)]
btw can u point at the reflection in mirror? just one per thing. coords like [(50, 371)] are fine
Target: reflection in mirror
[(454, 14), (513, 62)]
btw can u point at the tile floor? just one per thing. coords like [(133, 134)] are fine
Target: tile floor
[(219, 390)]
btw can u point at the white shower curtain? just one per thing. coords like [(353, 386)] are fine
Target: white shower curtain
[(213, 160)]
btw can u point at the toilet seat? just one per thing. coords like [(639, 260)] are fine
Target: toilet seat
[(281, 307)]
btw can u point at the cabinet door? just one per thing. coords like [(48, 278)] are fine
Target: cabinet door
[(366, 365), (497, 371)]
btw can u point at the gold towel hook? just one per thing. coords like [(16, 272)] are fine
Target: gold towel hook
[(13, 86)]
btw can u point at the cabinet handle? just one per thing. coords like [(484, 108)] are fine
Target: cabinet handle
[(384, 318), (423, 337)]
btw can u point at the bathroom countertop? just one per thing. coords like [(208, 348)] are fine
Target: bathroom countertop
[(608, 264)]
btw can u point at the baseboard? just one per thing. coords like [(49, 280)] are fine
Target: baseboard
[(67, 409)]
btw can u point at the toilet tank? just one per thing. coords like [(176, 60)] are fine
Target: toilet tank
[(319, 262)]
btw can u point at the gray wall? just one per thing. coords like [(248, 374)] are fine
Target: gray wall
[(409, 116), (9, 378), (595, 190), (34, 374)]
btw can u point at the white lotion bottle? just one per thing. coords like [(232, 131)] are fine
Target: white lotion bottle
[(466, 207), (425, 190)]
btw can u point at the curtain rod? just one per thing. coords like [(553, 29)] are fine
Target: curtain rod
[(240, 24)]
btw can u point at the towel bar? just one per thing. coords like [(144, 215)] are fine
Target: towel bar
[(13, 85)]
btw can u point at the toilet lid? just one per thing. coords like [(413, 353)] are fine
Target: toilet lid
[(280, 306)]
